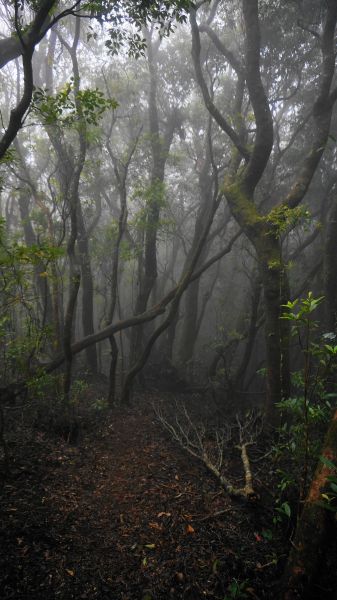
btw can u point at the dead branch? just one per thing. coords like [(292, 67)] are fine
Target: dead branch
[(249, 430), (195, 440)]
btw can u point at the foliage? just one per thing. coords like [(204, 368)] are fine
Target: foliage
[(67, 108), (307, 413), (126, 19), (153, 199), (283, 511), (283, 218), (23, 336), (329, 497), (236, 590)]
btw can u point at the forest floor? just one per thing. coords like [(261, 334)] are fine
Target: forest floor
[(126, 514)]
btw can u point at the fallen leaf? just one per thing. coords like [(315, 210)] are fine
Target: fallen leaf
[(156, 526), (150, 546), (163, 514), (215, 566), (70, 572), (189, 529)]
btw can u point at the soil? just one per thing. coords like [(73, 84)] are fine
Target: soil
[(126, 514)]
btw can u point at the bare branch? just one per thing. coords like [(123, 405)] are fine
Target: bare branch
[(230, 57), (220, 119), (194, 439)]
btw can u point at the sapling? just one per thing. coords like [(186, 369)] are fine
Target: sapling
[(312, 406)]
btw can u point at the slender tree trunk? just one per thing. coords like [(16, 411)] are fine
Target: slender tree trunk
[(285, 333), (330, 268), (189, 331), (41, 282), (87, 289), (251, 335), (160, 146), (268, 252)]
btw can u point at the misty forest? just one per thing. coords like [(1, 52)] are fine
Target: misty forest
[(168, 309)]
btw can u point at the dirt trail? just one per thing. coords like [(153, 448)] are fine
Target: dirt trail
[(124, 515)]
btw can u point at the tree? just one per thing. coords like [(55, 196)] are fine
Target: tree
[(250, 160), (33, 20)]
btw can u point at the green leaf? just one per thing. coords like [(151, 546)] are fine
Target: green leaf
[(328, 463), (326, 506), (286, 509)]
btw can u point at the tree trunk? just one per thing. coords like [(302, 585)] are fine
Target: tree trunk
[(190, 328), (330, 269), (160, 147), (189, 332), (313, 530), (41, 282), (87, 289), (268, 252), (250, 335)]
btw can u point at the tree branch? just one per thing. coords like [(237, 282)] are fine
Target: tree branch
[(264, 125), (222, 48), (322, 110), (220, 119), (18, 113)]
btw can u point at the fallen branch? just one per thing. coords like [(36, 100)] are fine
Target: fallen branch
[(192, 438), (15, 389)]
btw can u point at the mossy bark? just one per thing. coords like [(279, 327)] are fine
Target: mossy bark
[(265, 241)]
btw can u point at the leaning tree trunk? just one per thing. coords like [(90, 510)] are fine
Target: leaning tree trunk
[(313, 529)]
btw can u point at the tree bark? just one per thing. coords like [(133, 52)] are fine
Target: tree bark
[(160, 147), (190, 322), (330, 268)]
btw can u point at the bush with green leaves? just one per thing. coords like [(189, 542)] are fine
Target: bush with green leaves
[(329, 496), (237, 590), (305, 414), (23, 333), (68, 108)]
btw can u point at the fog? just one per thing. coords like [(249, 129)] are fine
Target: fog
[(168, 210)]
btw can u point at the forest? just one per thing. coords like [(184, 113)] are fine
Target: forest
[(168, 308)]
